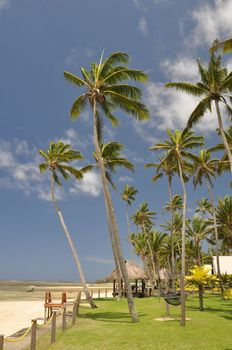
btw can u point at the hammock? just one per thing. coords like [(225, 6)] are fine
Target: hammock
[(172, 298)]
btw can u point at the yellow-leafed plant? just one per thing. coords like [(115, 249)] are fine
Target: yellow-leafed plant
[(200, 277), (227, 295)]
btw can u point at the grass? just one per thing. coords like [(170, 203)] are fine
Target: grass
[(109, 327)]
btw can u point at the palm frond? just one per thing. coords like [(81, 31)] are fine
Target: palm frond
[(73, 171), (78, 106), (113, 59), (106, 107), (126, 90), (74, 79), (191, 89), (132, 107), (199, 112), (43, 167), (119, 74), (225, 46)]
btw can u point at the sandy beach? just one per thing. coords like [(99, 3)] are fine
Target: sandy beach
[(15, 315)]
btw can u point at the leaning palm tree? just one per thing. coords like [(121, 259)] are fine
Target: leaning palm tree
[(205, 169), (56, 159), (104, 90), (128, 196), (177, 149), (166, 167), (225, 45), (215, 86)]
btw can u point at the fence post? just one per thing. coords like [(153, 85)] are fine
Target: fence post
[(99, 293), (53, 329), (78, 302), (33, 334), (74, 314), (64, 319), (106, 293), (1, 341)]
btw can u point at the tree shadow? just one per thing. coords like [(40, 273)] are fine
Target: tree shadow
[(117, 317)]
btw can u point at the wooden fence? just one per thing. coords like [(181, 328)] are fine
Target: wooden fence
[(34, 327)]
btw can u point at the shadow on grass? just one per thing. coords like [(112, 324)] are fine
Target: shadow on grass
[(119, 317)]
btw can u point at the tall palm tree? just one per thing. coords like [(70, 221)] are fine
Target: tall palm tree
[(56, 159), (205, 169), (128, 196), (177, 149), (104, 91), (224, 162), (166, 167), (225, 45), (215, 86)]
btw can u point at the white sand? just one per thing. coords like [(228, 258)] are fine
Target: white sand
[(15, 315)]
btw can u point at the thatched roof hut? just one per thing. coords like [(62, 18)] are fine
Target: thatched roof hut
[(134, 272)]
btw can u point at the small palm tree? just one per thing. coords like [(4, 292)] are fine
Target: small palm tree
[(203, 206), (56, 159), (198, 230), (177, 149), (104, 90), (224, 219), (215, 86), (128, 196), (176, 203), (144, 219), (205, 169)]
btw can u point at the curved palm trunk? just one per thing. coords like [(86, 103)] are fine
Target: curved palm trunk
[(216, 236), (127, 219), (182, 276), (118, 273), (72, 247), (152, 254), (172, 236), (112, 221), (220, 124)]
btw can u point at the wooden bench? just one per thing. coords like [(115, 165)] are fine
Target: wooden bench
[(49, 305)]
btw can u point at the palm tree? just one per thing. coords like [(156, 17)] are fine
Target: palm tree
[(215, 86), (225, 46), (224, 219), (56, 159), (203, 206), (205, 168), (198, 230), (104, 91), (175, 205), (224, 162), (166, 167), (128, 196), (177, 147)]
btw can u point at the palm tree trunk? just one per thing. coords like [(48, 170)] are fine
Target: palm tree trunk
[(182, 276), (127, 219), (200, 291), (216, 236), (72, 247), (172, 238), (220, 124), (112, 220), (151, 253)]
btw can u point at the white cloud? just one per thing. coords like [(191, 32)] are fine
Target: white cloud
[(182, 68), (72, 137), (212, 20), (89, 185), (4, 4), (172, 109), (142, 26), (125, 179)]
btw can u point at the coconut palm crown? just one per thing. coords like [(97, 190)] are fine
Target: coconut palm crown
[(56, 159), (103, 82)]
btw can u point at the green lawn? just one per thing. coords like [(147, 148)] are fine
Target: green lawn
[(109, 327)]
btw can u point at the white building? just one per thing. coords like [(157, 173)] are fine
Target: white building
[(225, 264)]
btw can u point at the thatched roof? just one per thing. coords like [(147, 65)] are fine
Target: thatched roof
[(134, 272)]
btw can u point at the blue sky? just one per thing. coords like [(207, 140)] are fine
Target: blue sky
[(38, 41)]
